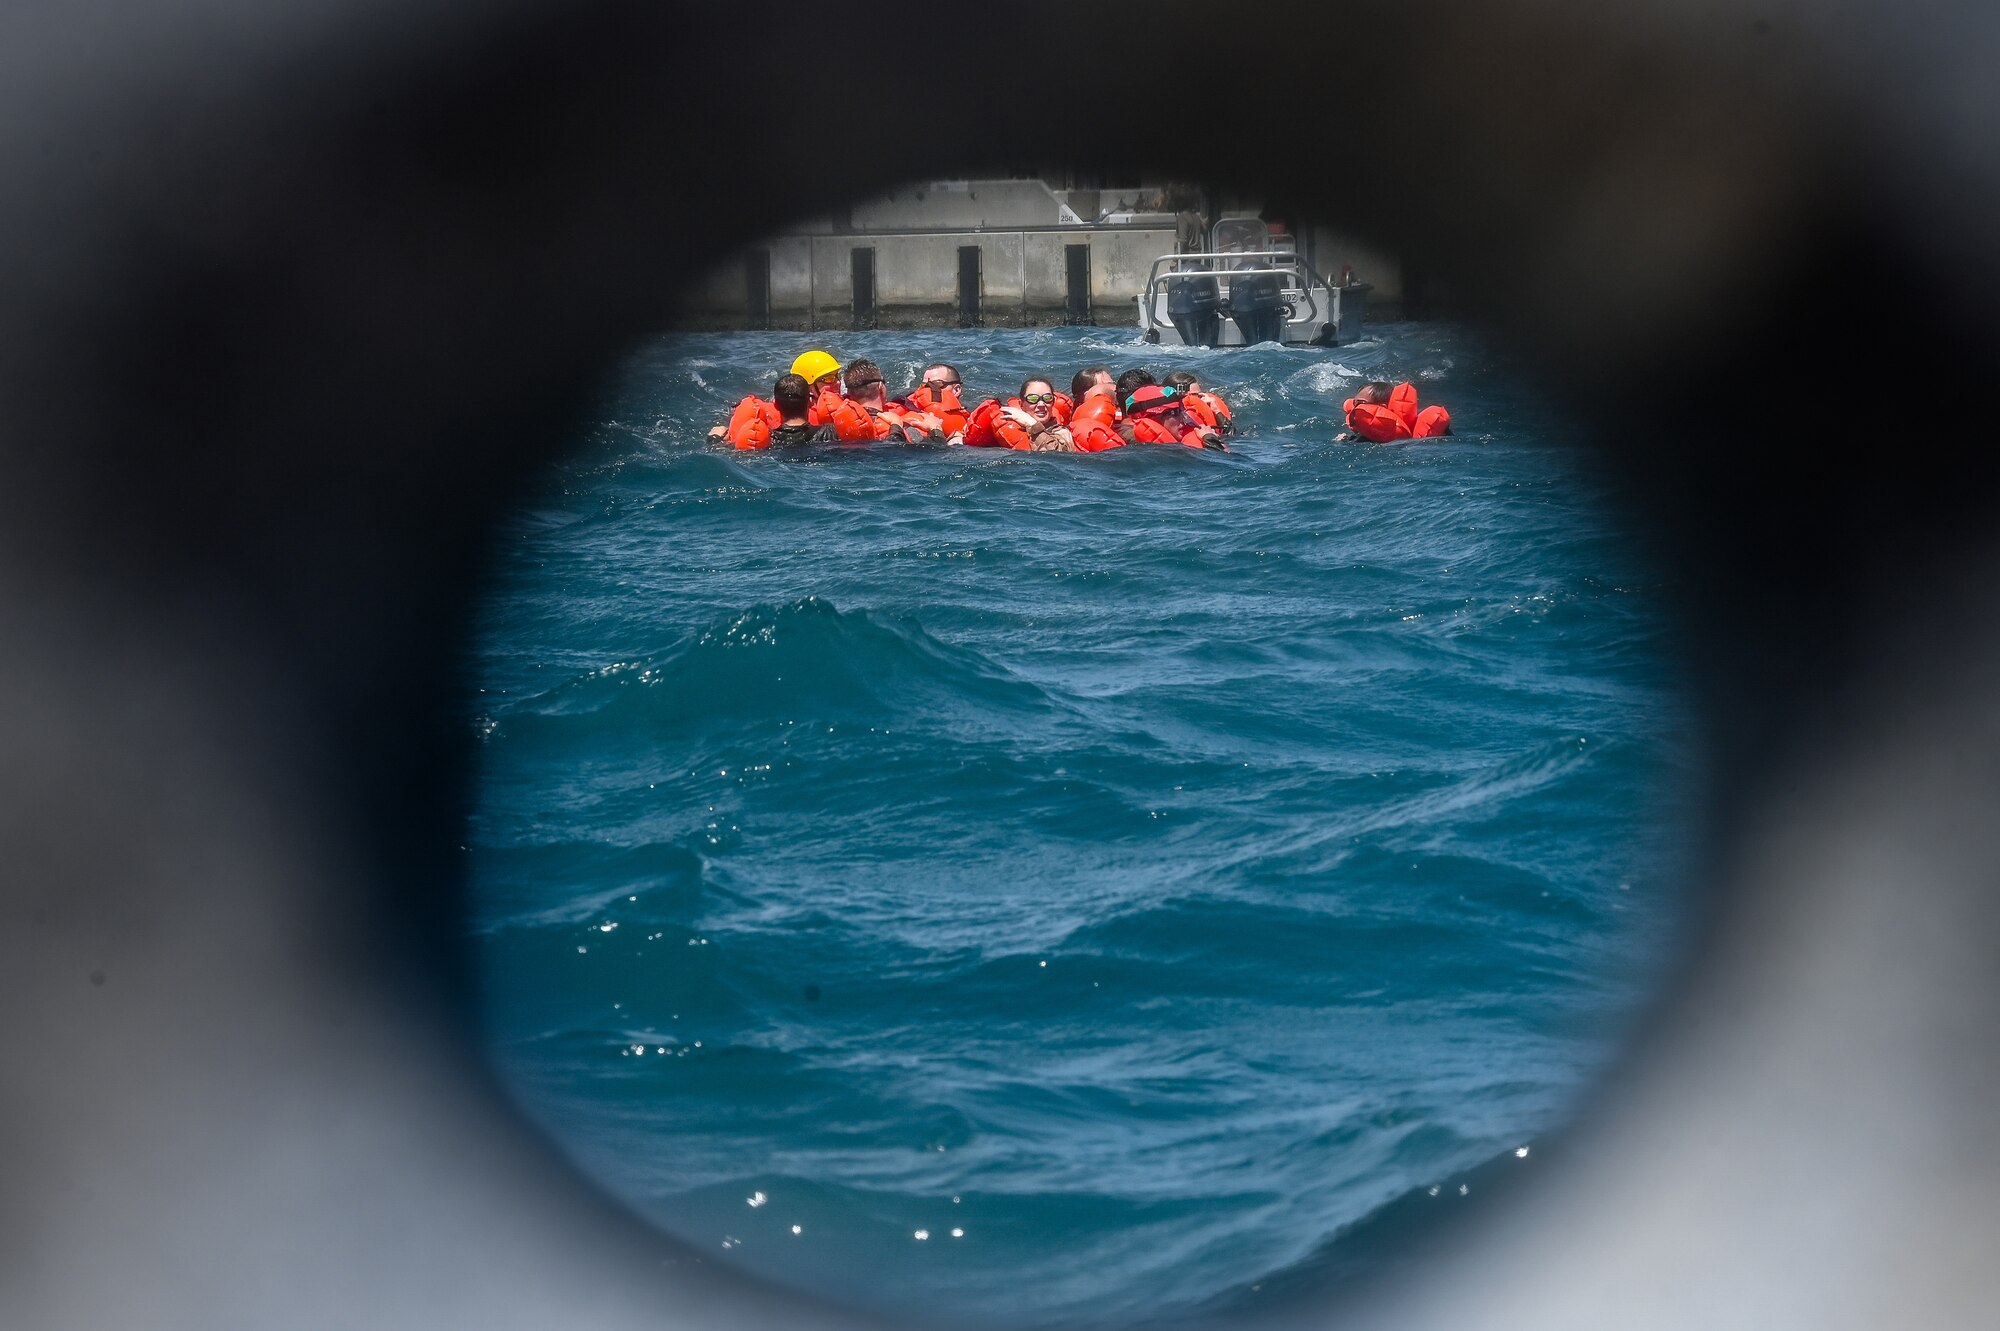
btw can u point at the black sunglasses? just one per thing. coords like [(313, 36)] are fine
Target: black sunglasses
[(941, 383)]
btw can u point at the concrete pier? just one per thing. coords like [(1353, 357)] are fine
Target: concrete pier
[(932, 279), (983, 253)]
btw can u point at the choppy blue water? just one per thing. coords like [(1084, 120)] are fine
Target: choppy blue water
[(1066, 889)]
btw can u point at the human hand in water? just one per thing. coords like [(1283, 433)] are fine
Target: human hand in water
[(718, 431), (1213, 443)]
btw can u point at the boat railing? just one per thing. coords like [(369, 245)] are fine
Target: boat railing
[(1278, 263)]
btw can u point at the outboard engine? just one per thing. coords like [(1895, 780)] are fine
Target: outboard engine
[(1257, 304), (1194, 307)]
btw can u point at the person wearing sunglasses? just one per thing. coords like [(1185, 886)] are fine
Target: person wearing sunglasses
[(1036, 420), (939, 395), (1155, 414), (866, 414), (1205, 407), (1032, 421), (821, 374)]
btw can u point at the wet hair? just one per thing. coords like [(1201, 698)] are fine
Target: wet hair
[(1036, 379), (938, 365), (861, 374), (1181, 380), (1373, 393), (792, 393), (1085, 381), (1132, 381)]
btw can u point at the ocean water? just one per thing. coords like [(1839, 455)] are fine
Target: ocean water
[(1035, 890)]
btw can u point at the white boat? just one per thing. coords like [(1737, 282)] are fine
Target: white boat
[(1249, 286)]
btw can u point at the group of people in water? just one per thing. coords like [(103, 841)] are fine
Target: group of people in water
[(820, 402)]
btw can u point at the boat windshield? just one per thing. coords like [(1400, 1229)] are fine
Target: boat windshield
[(1240, 233)]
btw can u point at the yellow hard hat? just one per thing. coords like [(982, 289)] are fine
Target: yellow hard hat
[(814, 366)]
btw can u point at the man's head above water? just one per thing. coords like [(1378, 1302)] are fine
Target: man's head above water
[(1094, 377), (864, 383), (793, 395), (1133, 380)]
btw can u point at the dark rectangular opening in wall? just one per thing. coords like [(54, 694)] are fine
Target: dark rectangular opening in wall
[(757, 287), (968, 286), (863, 257), (1076, 305)]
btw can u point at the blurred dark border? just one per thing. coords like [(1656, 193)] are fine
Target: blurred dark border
[(300, 298)]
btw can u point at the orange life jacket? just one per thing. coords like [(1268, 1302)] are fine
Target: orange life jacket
[(855, 423), (947, 407), (823, 405), (1150, 429), (1100, 407), (983, 427), (1403, 401), (1431, 422), (1398, 418), (750, 425), (1016, 435), (1156, 415), (1377, 422), (979, 425), (1209, 409), (1094, 424), (1094, 436), (1011, 433), (916, 426)]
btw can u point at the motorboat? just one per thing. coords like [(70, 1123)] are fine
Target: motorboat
[(1249, 286)]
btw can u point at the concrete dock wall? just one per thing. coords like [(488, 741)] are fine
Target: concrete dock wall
[(1023, 279), (995, 205), (917, 272)]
